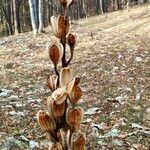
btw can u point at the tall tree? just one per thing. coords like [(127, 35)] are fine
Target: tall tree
[(101, 6), (16, 16), (36, 14), (40, 16), (33, 16)]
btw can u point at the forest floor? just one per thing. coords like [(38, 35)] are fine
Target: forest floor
[(112, 59)]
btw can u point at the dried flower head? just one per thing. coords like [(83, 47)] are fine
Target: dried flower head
[(46, 123), (55, 52)]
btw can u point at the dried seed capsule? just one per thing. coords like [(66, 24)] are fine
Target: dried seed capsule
[(60, 26), (56, 146), (64, 3), (77, 81), (65, 76), (55, 53), (74, 116), (46, 123), (75, 94), (52, 82), (55, 110), (71, 39), (61, 137), (78, 141), (67, 3), (60, 95), (63, 26)]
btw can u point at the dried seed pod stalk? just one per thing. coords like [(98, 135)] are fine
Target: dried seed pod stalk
[(64, 117)]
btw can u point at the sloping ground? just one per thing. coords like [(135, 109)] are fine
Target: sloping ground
[(112, 59)]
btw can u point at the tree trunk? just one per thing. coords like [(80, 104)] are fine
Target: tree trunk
[(101, 7), (40, 16), (33, 17), (15, 18)]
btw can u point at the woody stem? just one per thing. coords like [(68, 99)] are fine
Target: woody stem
[(56, 70), (63, 42), (71, 57)]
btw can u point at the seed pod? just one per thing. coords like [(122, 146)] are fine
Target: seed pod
[(65, 76), (67, 3), (74, 116), (70, 86), (78, 141), (55, 53), (60, 26), (46, 123), (60, 95), (71, 39), (54, 22), (56, 146), (75, 94), (61, 137), (52, 82), (77, 81), (63, 26), (63, 2), (55, 110), (68, 136)]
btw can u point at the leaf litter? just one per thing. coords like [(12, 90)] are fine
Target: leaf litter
[(113, 65)]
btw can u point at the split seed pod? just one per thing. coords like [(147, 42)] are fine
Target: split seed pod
[(60, 95), (77, 81), (65, 76), (46, 123), (56, 146), (66, 3), (61, 137), (55, 110), (71, 39), (60, 26), (74, 116), (66, 79), (55, 52), (78, 141), (52, 82), (76, 94)]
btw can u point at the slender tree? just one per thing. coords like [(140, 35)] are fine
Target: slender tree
[(40, 16), (32, 15)]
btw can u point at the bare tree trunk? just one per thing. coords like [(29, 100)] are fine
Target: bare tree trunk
[(128, 4), (101, 6), (40, 16), (6, 11), (15, 18), (33, 17), (84, 8)]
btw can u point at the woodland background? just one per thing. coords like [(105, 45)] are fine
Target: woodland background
[(17, 16)]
